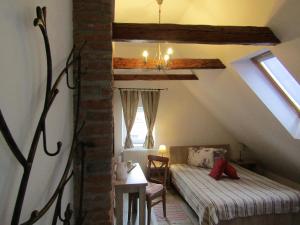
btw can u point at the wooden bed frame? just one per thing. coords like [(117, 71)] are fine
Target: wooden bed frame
[(179, 155)]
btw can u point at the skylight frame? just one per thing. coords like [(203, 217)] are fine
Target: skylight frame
[(257, 60)]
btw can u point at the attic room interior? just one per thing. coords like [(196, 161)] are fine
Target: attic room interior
[(150, 112)]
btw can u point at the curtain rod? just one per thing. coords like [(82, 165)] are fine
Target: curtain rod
[(143, 89)]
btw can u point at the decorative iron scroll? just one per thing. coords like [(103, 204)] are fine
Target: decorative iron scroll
[(51, 93)]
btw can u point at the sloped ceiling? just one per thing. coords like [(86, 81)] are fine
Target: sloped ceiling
[(223, 92), (222, 12)]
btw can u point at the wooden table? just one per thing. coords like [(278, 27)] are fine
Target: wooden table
[(136, 183)]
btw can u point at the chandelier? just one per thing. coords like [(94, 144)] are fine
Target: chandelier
[(161, 61)]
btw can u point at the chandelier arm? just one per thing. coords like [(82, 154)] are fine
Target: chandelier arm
[(161, 60)]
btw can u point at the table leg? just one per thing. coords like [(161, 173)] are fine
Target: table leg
[(119, 207), (142, 200)]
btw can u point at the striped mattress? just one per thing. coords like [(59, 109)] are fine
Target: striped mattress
[(226, 199)]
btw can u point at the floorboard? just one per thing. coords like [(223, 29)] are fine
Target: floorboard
[(172, 195)]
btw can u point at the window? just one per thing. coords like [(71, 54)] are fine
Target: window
[(282, 80), (139, 129)]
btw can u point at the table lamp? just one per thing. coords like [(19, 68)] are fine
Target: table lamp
[(162, 149)]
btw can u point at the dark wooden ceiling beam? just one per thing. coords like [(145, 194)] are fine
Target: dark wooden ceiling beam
[(136, 63), (154, 77), (194, 34)]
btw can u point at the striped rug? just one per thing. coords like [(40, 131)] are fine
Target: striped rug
[(176, 215)]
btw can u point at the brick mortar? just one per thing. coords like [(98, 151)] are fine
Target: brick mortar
[(92, 21)]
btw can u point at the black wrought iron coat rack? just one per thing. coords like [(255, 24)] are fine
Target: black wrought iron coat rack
[(74, 59)]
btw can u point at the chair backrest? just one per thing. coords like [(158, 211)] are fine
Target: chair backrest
[(157, 171)]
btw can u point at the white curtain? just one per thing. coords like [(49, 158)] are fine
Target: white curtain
[(130, 100), (150, 101)]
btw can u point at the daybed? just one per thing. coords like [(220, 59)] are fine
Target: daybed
[(251, 200)]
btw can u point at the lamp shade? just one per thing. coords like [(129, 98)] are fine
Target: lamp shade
[(162, 149)]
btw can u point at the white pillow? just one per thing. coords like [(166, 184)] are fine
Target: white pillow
[(202, 157)]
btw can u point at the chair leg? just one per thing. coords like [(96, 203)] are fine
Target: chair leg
[(134, 204), (149, 211), (164, 203), (129, 206)]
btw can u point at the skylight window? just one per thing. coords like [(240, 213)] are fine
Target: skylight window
[(283, 81)]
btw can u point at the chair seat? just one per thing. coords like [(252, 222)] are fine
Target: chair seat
[(152, 189)]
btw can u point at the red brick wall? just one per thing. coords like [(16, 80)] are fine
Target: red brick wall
[(92, 22)]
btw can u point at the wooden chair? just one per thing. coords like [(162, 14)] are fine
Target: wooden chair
[(157, 174)]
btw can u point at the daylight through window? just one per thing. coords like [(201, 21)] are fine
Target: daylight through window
[(280, 77), (139, 129)]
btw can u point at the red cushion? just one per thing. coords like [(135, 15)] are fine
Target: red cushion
[(218, 169), (230, 171)]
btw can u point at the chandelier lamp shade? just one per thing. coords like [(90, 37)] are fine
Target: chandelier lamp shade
[(162, 60)]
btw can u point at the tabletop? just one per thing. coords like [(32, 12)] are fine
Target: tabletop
[(135, 177)]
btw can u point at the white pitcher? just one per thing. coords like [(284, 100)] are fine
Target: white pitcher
[(122, 171)]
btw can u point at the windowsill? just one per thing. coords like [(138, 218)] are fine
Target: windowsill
[(139, 149)]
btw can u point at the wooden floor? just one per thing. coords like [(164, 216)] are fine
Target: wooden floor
[(171, 196)]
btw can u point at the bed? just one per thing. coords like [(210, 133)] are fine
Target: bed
[(253, 199)]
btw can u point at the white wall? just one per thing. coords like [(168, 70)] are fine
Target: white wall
[(22, 88), (181, 120)]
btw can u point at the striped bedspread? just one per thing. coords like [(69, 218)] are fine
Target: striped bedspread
[(226, 199)]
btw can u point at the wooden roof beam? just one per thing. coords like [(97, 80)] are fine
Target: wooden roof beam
[(194, 34), (154, 77), (136, 63)]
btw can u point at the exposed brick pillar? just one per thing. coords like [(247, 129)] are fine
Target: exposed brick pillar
[(93, 23)]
